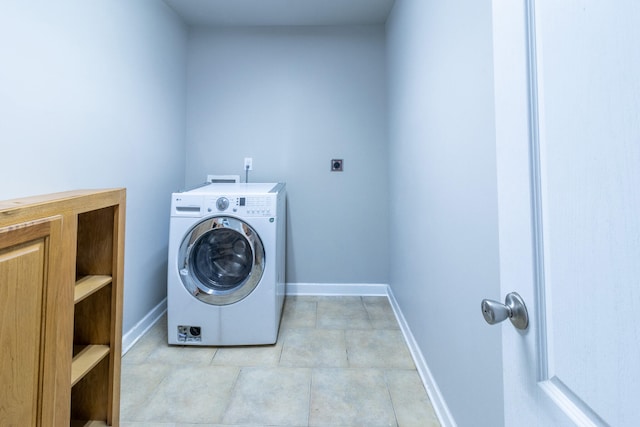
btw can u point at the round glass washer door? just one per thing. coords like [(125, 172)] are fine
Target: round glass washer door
[(221, 260)]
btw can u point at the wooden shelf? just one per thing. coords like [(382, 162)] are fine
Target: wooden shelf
[(86, 360), (88, 285)]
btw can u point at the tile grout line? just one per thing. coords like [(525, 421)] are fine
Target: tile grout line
[(231, 394), (367, 311), (315, 323), (393, 405), (315, 327), (156, 390), (346, 348), (213, 356), (310, 390)]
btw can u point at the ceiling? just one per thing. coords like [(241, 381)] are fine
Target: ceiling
[(281, 12)]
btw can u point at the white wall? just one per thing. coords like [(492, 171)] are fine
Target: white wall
[(92, 94), (443, 196), (293, 98)]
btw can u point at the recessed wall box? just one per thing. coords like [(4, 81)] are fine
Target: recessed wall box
[(223, 178)]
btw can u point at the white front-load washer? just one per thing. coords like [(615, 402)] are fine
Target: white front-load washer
[(225, 283)]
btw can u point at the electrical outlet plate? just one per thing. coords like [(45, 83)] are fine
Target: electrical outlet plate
[(336, 165), (248, 163)]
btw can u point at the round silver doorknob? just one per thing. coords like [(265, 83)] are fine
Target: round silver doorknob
[(494, 311), (513, 308)]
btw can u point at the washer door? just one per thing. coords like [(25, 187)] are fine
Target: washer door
[(221, 260)]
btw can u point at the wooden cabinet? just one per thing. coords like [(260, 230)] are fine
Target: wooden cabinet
[(61, 270)]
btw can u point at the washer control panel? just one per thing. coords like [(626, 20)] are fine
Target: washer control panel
[(241, 205)]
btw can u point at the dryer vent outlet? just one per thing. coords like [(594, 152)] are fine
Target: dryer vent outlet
[(189, 333)]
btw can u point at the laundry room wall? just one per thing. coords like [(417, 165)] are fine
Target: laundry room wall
[(92, 95), (443, 197), (293, 98)]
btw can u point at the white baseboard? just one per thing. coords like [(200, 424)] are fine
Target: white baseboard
[(337, 289), (333, 289), (134, 334), (437, 400)]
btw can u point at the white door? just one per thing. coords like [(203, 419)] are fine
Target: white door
[(567, 85)]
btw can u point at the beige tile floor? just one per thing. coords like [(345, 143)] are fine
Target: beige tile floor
[(339, 361)]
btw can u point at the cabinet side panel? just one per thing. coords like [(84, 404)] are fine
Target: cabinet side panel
[(59, 321), (113, 417)]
